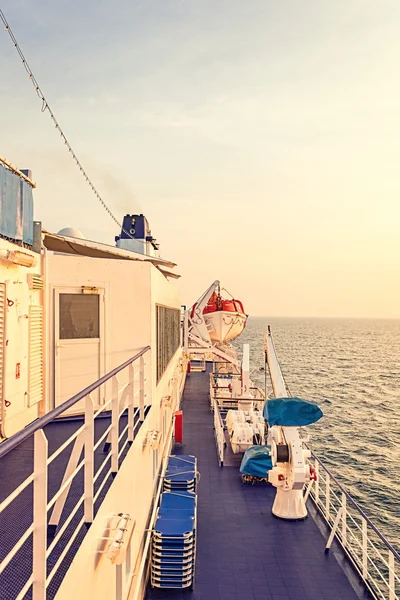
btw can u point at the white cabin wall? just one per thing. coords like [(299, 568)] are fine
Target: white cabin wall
[(132, 289), (21, 402), (127, 294)]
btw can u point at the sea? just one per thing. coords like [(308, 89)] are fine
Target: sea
[(351, 369)]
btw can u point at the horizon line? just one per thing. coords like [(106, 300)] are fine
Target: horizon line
[(324, 317)]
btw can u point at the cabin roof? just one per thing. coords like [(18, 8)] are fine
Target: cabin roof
[(69, 245)]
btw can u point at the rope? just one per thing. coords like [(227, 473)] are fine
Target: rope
[(46, 107)]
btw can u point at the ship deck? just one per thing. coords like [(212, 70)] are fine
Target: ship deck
[(243, 551)]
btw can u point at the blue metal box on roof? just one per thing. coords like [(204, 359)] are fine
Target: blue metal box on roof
[(16, 207)]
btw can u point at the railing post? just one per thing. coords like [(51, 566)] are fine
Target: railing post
[(131, 403), (392, 592), (89, 458), (327, 496), (334, 528), (71, 466), (39, 515), (308, 490), (118, 582), (344, 522), (141, 389), (364, 548), (114, 424), (186, 330), (316, 467), (173, 395)]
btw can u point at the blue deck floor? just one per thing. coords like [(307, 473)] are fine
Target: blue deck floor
[(243, 552)]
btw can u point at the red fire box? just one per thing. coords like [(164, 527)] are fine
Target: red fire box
[(179, 426)]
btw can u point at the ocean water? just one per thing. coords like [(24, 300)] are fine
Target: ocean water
[(351, 368)]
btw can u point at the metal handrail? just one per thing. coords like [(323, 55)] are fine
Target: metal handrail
[(355, 540), (23, 435), (83, 440), (216, 407), (218, 431), (358, 508)]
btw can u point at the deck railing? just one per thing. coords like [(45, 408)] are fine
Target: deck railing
[(218, 432), (133, 396), (375, 560)]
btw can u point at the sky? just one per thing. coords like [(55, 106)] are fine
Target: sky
[(261, 139)]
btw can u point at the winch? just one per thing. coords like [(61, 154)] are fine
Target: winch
[(285, 415)]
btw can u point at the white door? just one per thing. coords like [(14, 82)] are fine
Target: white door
[(79, 343)]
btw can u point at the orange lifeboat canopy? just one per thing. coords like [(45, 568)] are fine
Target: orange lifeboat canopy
[(216, 303)]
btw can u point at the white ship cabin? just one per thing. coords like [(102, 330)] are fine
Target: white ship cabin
[(71, 310), (104, 305)]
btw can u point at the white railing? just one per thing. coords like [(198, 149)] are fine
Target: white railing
[(133, 396), (198, 364), (134, 494), (375, 560), (218, 432)]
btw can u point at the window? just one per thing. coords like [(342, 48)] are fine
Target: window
[(79, 316), (168, 337)]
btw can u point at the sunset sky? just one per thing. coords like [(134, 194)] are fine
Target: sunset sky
[(261, 139)]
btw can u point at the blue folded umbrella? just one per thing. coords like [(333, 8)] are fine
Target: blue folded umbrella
[(291, 412), (256, 461)]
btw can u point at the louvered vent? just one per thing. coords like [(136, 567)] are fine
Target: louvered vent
[(35, 281), (35, 355), (2, 337)]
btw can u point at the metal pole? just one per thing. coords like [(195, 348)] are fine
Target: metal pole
[(316, 467), (39, 515), (344, 514), (392, 593), (131, 403), (88, 434), (334, 528), (71, 466), (364, 548), (141, 389), (327, 496), (114, 424)]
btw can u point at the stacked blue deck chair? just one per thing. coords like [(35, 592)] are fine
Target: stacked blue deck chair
[(173, 549), (181, 474)]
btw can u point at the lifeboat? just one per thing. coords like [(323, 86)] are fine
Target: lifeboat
[(225, 319)]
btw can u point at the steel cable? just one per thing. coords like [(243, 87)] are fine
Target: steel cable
[(45, 106)]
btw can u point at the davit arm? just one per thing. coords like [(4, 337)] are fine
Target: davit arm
[(197, 326), (291, 469)]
